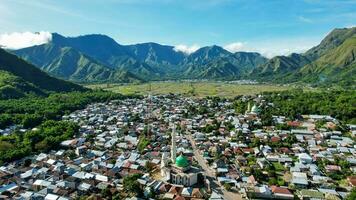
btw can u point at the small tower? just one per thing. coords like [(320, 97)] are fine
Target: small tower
[(248, 108), (164, 165), (174, 146)]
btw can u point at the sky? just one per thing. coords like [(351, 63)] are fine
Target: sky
[(270, 27)]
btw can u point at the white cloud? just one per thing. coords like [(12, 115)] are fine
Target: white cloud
[(234, 47), (18, 40), (305, 19), (186, 49), (275, 47)]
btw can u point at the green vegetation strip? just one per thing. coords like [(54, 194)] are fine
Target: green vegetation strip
[(198, 89)]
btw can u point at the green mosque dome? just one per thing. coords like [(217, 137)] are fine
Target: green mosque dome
[(181, 161), (255, 109)]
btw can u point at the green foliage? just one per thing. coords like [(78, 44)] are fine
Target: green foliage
[(31, 111), (40, 112), (227, 186), (131, 184), (352, 195), (278, 166), (47, 137), (335, 66), (71, 64), (19, 78), (294, 103), (143, 142)]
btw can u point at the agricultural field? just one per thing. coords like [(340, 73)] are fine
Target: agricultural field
[(197, 89)]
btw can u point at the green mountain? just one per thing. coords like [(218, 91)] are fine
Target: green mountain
[(331, 41), (70, 64), (100, 47), (155, 54), (277, 68), (337, 65), (214, 62), (19, 78), (220, 69), (247, 61), (227, 67), (330, 62), (98, 58), (107, 51), (205, 55)]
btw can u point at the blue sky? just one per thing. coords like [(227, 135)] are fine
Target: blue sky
[(271, 27)]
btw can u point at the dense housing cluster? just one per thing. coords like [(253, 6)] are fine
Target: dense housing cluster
[(174, 147)]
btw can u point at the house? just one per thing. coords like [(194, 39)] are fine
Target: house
[(306, 194), (300, 179), (352, 181), (332, 168), (305, 158), (281, 193)]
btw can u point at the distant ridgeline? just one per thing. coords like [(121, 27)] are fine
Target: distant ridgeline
[(99, 59)]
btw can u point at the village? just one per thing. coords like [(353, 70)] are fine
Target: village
[(181, 148)]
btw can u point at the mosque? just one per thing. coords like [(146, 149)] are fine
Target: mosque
[(255, 110), (178, 170)]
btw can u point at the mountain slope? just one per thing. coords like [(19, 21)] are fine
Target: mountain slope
[(99, 47), (277, 68), (19, 78), (70, 64), (156, 54), (98, 58), (220, 69), (205, 55), (247, 61), (330, 62), (331, 41), (107, 51), (336, 66), (214, 62)]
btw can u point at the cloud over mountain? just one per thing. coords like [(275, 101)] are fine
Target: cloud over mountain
[(17, 40), (186, 49), (234, 47)]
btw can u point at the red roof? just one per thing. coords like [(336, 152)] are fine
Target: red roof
[(179, 198), (275, 139), (352, 180), (175, 190), (280, 190)]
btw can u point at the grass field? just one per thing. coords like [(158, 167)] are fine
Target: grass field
[(197, 89)]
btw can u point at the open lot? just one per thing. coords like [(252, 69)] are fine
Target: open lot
[(198, 89)]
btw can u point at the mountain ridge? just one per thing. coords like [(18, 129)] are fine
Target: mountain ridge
[(152, 61)]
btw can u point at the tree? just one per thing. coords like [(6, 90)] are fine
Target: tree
[(142, 144), (106, 193), (227, 186), (131, 184), (352, 195)]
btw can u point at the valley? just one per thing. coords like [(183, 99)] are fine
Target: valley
[(177, 100), (192, 89)]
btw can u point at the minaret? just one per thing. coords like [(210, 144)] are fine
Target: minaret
[(248, 107), (174, 146)]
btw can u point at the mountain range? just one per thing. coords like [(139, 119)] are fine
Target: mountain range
[(98, 58), (19, 78), (330, 62)]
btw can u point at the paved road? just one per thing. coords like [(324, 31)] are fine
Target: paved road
[(210, 174)]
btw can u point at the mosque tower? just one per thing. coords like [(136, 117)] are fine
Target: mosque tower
[(174, 145), (248, 108)]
